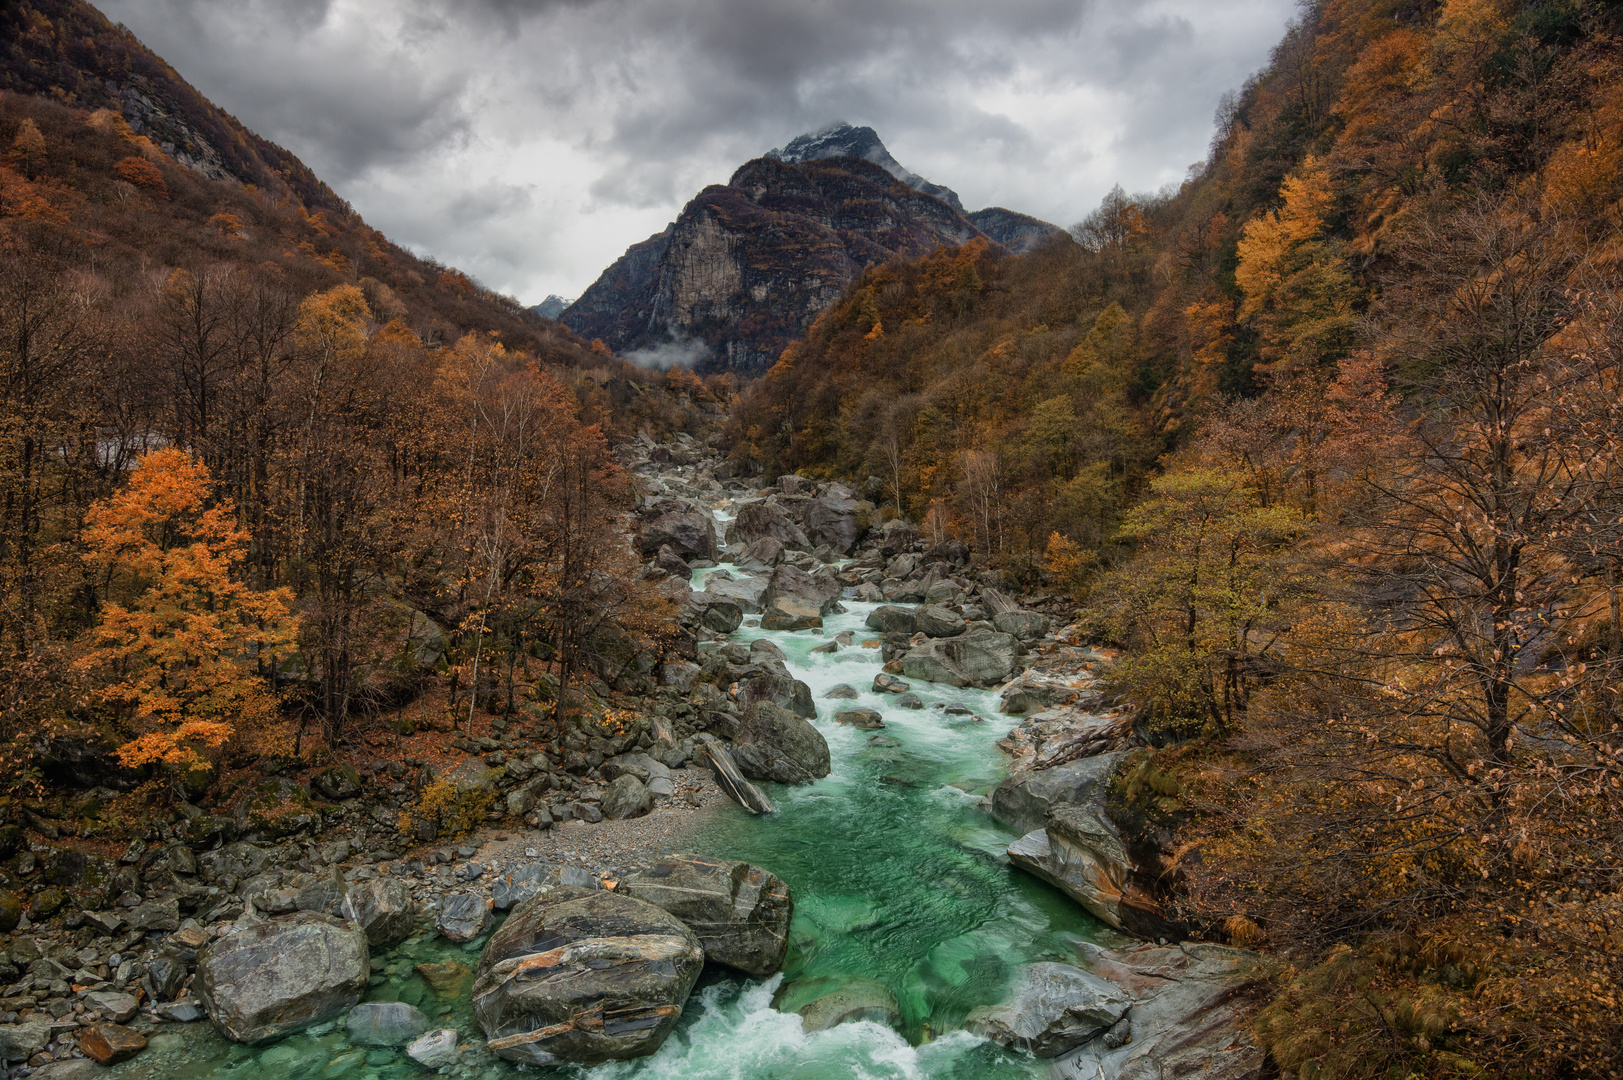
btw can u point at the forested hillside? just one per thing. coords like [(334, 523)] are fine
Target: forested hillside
[(342, 447), (1328, 438)]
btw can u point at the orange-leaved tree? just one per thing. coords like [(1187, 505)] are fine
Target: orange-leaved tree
[(181, 644)]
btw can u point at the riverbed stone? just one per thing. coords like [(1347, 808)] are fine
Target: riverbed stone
[(974, 658), (584, 977), (936, 621), (627, 797), (690, 536), (856, 1000), (779, 688), (1051, 1010), (279, 975), (463, 916), (775, 744), (1022, 801), (866, 719), (731, 779), (108, 1044), (891, 619), (385, 1023), (791, 613), (436, 1049), (748, 592), (383, 909), (740, 912), (756, 520), (842, 692), (115, 1006)]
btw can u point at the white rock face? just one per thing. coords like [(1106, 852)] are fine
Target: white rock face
[(434, 1050)]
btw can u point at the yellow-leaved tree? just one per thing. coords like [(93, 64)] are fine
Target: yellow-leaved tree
[(181, 644)]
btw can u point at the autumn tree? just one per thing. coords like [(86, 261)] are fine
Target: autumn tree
[(181, 649)]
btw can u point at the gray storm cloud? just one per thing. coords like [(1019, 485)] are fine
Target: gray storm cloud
[(530, 141)]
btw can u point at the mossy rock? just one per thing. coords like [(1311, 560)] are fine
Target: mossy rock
[(11, 912), (48, 902)]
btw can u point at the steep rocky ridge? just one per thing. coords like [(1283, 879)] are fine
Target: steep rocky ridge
[(748, 265)]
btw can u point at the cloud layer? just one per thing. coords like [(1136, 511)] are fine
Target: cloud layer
[(530, 141)]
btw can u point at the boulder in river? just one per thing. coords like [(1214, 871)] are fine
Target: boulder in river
[(463, 916), (936, 621), (740, 912), (779, 688), (732, 781), (383, 909), (1023, 800), (826, 1002), (1187, 1019), (756, 520), (760, 555), (866, 719), (1052, 1009), (717, 613), (842, 692), (584, 977), (385, 1023), (774, 744), (748, 593), (279, 975), (1080, 852), (834, 520), (791, 613), (891, 619), (689, 536), (976, 658), (435, 1049), (821, 589), (1028, 626)]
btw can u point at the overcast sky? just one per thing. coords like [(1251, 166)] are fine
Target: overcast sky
[(529, 142)]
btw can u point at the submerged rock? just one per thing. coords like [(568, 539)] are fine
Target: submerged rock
[(1052, 1009), (584, 977), (436, 1049), (385, 1023), (740, 912), (280, 975)]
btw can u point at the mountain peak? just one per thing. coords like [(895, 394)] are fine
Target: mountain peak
[(840, 139)]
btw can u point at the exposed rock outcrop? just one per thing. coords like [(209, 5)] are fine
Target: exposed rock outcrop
[(740, 912)]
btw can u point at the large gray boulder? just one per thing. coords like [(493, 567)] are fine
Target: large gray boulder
[(740, 912), (1052, 1009), (716, 612), (463, 916), (791, 613), (976, 658), (1022, 802), (627, 797), (748, 593), (689, 536), (774, 744), (584, 977), (780, 689), (280, 975), (1187, 1018), (1028, 626), (760, 555), (833, 520), (536, 879), (758, 519), (1080, 852), (383, 909), (821, 589), (891, 619), (937, 621)]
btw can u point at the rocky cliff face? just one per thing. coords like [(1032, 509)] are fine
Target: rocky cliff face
[(749, 265)]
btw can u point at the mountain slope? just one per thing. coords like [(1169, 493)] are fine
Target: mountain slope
[(747, 266)]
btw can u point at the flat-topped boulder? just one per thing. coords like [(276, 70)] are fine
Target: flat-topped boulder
[(740, 912), (584, 977), (974, 658), (281, 975)]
